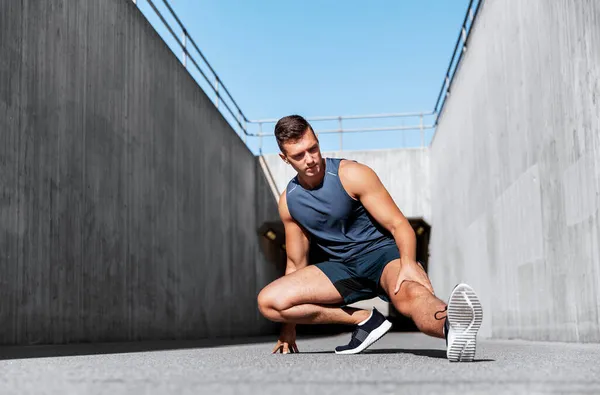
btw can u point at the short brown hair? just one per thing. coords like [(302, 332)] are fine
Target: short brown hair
[(290, 129)]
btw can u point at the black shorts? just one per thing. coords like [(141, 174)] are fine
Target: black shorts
[(359, 278)]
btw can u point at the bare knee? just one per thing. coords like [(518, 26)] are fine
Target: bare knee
[(410, 290), (408, 294), (271, 304), (265, 303)]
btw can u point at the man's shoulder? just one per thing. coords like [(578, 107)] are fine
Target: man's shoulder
[(352, 168), (355, 175)]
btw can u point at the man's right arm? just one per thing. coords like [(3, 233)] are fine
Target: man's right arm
[(296, 247), (296, 240)]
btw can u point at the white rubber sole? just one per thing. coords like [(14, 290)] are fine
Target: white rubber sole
[(465, 315), (372, 338)]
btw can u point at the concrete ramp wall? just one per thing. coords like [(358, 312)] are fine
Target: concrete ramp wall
[(515, 168), (129, 208)]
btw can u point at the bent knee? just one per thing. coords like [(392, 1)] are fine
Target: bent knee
[(265, 301), (408, 294), (410, 290), (271, 304)]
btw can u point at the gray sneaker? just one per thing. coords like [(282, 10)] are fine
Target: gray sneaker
[(463, 320)]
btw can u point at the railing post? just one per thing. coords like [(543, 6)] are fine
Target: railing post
[(217, 90), (422, 133), (341, 134), (244, 128), (239, 119), (184, 48)]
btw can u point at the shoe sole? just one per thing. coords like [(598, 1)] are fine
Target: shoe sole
[(375, 335), (464, 316)]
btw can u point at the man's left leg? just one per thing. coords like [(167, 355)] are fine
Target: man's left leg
[(459, 326)]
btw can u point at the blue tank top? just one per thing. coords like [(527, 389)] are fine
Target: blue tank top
[(339, 225)]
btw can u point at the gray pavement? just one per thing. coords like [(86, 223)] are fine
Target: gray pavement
[(407, 363)]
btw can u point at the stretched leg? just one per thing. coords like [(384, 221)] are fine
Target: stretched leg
[(414, 301), (306, 296), (462, 321)]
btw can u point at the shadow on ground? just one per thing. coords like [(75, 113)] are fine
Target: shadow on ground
[(431, 353), (305, 332), (80, 349)]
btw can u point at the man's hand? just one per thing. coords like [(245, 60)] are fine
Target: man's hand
[(287, 340), (412, 271)]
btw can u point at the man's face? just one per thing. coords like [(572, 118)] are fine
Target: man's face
[(304, 155)]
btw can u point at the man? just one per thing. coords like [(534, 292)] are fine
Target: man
[(341, 208)]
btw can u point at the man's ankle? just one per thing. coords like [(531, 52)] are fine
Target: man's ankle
[(363, 316)]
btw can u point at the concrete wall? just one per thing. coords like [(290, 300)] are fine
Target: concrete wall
[(128, 206), (515, 167), (404, 172)]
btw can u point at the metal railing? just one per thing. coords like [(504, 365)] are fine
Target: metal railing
[(459, 49), (240, 121), (421, 125), (214, 82)]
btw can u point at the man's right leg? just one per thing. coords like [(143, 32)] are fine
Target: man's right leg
[(307, 296)]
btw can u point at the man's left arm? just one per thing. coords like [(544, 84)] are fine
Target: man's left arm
[(363, 184)]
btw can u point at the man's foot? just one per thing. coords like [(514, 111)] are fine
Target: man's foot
[(366, 334), (463, 320)]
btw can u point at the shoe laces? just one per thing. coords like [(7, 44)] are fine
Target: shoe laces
[(438, 312)]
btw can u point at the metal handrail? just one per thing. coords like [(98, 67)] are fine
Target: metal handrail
[(335, 118), (464, 34), (383, 129), (205, 60), (218, 81), (341, 130), (463, 37)]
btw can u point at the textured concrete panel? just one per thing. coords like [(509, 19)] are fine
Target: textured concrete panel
[(519, 207), (580, 194), (129, 208), (473, 271), (517, 224), (517, 152)]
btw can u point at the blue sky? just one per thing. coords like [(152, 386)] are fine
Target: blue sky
[(321, 58)]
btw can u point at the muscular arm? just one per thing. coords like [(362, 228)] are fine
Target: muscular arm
[(362, 183), (296, 240)]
